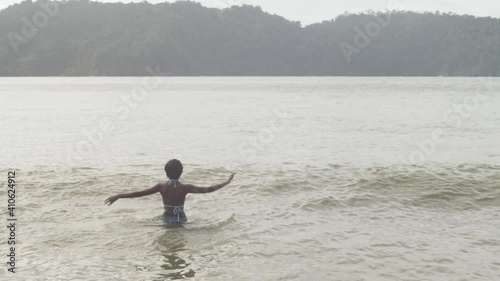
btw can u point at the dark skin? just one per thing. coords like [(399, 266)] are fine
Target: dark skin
[(171, 196)]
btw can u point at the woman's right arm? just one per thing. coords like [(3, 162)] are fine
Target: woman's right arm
[(196, 189)]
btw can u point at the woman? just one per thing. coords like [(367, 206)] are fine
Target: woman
[(173, 193)]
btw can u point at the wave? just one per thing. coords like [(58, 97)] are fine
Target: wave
[(459, 187), (308, 187)]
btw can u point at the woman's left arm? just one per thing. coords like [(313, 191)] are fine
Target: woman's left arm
[(136, 194)]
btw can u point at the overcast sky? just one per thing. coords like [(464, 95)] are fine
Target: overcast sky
[(311, 11)]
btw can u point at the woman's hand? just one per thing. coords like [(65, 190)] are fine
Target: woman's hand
[(111, 200), (230, 178)]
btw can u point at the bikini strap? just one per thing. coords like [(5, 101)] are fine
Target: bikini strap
[(174, 182)]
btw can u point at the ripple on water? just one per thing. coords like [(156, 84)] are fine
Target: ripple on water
[(396, 218)]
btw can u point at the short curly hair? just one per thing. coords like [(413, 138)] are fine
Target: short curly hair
[(173, 168)]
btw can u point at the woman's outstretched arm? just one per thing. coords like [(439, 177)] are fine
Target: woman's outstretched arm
[(196, 189), (141, 193)]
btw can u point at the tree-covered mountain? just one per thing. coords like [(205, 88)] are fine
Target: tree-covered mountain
[(79, 38)]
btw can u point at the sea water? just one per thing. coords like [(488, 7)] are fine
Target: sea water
[(337, 178)]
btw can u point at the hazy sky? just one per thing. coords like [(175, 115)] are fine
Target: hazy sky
[(310, 11)]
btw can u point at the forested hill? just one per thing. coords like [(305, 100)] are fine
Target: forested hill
[(185, 38)]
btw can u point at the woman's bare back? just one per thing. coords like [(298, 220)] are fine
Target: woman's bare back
[(172, 195)]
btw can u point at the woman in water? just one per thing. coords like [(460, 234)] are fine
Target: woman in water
[(173, 193)]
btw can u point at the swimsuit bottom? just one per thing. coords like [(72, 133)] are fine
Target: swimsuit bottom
[(179, 218)]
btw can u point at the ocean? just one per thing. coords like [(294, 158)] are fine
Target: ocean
[(338, 178)]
